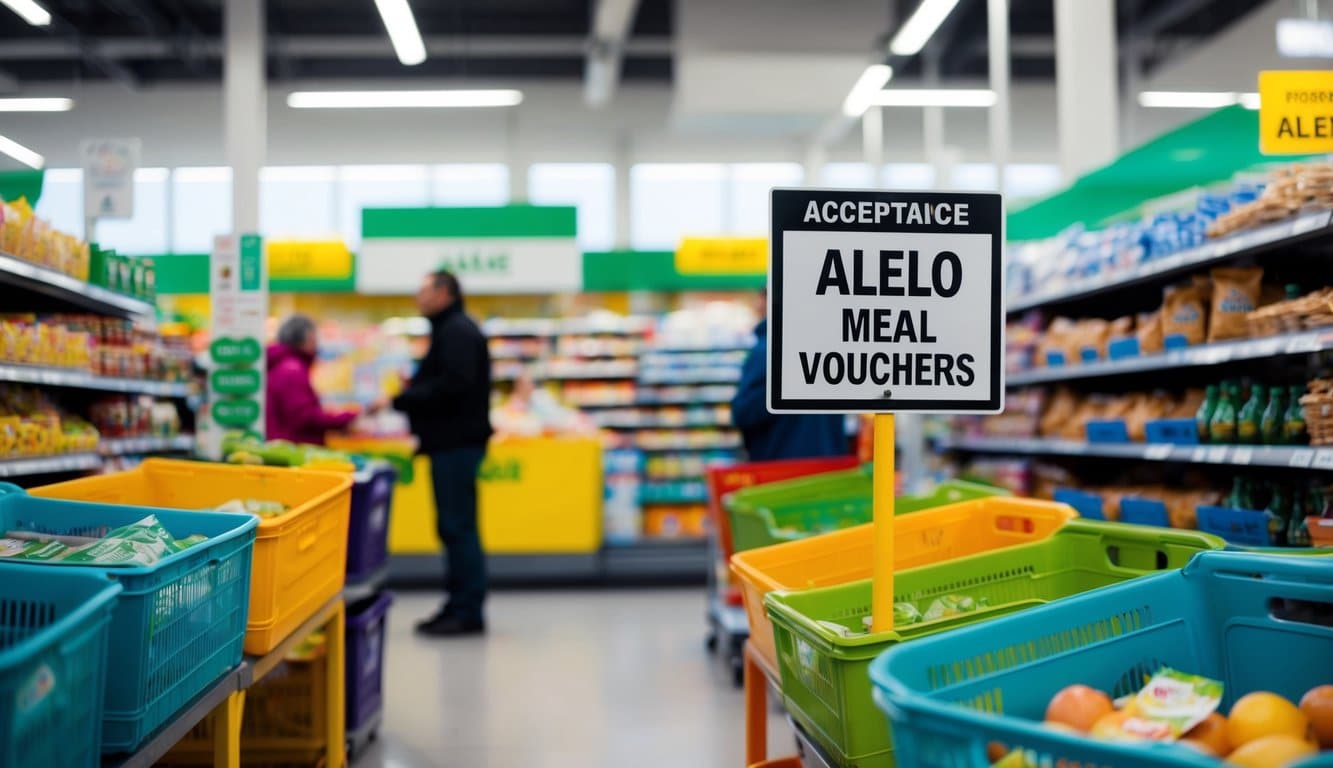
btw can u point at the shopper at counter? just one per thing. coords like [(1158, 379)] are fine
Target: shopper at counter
[(769, 437), (292, 408), (447, 404)]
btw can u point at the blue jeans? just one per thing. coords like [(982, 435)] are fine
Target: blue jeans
[(454, 476)]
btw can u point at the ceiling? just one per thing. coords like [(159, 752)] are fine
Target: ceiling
[(146, 42)]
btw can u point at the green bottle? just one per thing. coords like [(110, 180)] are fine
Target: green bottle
[(1222, 427), (1293, 430), (1298, 533), (1239, 498), (1249, 422), (1204, 416), (1292, 291), (1275, 415), (1279, 513)]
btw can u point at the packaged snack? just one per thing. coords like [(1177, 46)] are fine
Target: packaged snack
[(1149, 332), (140, 543), (1184, 314), (1235, 295), (1059, 410), (1169, 705)]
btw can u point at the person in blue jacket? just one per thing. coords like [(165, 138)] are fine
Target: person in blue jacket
[(769, 437)]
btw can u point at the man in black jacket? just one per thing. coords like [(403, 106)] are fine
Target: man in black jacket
[(448, 404)]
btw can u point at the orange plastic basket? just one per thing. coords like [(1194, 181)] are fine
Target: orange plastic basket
[(300, 555), (921, 538)]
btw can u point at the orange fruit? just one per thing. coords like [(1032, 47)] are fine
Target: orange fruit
[(1317, 706), (1210, 734), (1261, 714), (1125, 726), (995, 751), (1273, 751), (1078, 706)]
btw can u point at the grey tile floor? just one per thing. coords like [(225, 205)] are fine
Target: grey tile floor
[(564, 679)]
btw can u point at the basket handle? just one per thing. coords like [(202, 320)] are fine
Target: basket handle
[(1297, 570), (10, 488)]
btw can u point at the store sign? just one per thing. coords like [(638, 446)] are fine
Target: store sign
[(722, 256), (108, 177), (238, 287), (1295, 112), (309, 260), (483, 265), (885, 302)]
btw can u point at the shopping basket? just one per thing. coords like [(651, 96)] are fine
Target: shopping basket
[(300, 555), (368, 521), (178, 625), (823, 668), (1254, 622), (795, 509), (930, 536), (366, 624), (53, 637)]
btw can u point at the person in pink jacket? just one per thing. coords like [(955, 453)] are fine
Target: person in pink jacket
[(293, 411)]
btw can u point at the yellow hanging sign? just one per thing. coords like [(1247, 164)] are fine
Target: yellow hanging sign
[(309, 259), (1295, 112), (722, 256)]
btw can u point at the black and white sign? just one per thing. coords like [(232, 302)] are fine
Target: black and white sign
[(885, 302)]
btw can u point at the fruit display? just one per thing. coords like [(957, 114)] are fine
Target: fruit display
[(26, 236), (31, 424), (238, 448), (1261, 730)]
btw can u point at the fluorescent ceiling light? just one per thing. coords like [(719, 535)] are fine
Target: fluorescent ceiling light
[(867, 85), (1305, 38), (403, 33), (29, 11), (402, 99), (1197, 99), (932, 97), (920, 26), (21, 153), (36, 105)]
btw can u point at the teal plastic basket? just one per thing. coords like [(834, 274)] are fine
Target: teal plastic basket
[(178, 625), (805, 506), (1255, 622), (53, 639)]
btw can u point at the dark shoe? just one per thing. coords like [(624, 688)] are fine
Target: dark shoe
[(445, 612), (451, 626)]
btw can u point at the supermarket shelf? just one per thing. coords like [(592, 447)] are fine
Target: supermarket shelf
[(1229, 455), (685, 349), (714, 399), (596, 404), (44, 465), (1272, 237), (130, 446), (688, 448), (75, 379), (180, 726), (673, 381), (16, 272), (669, 492), (718, 423), (1202, 355)]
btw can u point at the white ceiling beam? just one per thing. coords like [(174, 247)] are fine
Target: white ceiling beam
[(610, 32)]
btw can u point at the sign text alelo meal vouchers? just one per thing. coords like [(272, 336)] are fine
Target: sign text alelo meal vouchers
[(885, 301)]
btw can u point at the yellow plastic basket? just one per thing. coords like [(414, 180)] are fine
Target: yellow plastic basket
[(921, 538), (300, 556)]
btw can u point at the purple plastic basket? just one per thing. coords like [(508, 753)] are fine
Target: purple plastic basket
[(368, 526), (365, 659)]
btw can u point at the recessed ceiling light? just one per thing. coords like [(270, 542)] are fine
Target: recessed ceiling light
[(29, 11), (402, 99), (21, 153), (36, 105), (875, 77)]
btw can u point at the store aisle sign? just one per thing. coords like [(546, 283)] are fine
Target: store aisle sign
[(722, 256), (884, 302), (108, 177), (1295, 112), (483, 265), (309, 260), (238, 286)]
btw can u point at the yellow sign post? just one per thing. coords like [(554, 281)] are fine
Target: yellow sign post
[(1295, 112), (882, 484)]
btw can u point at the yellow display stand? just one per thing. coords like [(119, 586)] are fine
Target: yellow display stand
[(538, 495)]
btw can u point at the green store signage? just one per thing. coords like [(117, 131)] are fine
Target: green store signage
[(235, 382), (229, 351), (501, 471), (235, 413)]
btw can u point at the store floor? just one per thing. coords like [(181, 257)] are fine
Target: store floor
[(564, 679)]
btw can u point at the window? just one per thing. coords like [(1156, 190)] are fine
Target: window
[(747, 210), (378, 186), (61, 201), (589, 186), (671, 200), (297, 202), (1031, 180), (470, 184), (847, 176), (200, 208), (909, 176), (146, 231)]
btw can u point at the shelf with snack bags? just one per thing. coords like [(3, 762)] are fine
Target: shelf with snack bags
[(131, 446), (67, 288), (1294, 457)]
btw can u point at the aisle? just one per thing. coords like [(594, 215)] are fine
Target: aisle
[(565, 679)]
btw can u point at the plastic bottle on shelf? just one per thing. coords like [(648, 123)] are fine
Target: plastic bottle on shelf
[(1279, 513), (1249, 421), (1222, 426), (1239, 498), (1292, 291), (1294, 429), (1274, 419), (1298, 533), (1204, 416)]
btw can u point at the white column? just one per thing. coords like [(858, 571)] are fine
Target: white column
[(518, 161), (932, 123), (997, 33), (872, 140), (1085, 82), (622, 165), (244, 107), (815, 158)]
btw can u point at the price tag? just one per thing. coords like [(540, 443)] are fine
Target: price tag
[(1301, 458), (1323, 459), (1198, 455), (1160, 452), (1309, 223), (1301, 344), (1242, 456), (1217, 454)]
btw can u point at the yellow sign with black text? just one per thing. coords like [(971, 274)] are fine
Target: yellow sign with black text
[(1295, 112), (309, 260), (722, 256)]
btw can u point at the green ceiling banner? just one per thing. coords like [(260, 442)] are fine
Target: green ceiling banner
[(656, 271), (16, 184)]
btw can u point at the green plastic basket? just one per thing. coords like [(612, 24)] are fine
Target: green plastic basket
[(799, 508), (825, 678)]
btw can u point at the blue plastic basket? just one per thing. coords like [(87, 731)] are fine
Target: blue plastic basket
[(178, 625), (368, 522), (949, 695), (53, 638)]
